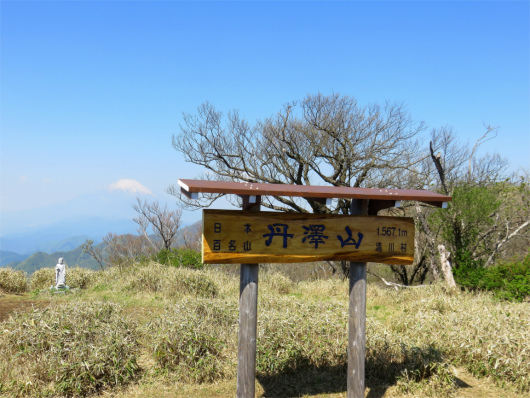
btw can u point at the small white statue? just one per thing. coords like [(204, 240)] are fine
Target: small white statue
[(60, 274)]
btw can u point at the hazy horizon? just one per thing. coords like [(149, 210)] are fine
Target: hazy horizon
[(92, 92)]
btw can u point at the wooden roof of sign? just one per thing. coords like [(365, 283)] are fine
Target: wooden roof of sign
[(380, 198)]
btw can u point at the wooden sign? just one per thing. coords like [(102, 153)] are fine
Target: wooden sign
[(268, 237)]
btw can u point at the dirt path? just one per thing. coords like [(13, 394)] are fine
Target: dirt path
[(470, 387), (10, 303)]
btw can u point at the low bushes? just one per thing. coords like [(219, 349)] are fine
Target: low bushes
[(80, 278), (187, 258), (489, 338), (295, 334), (42, 279), (190, 341), (507, 280), (75, 278), (12, 281), (276, 283), (169, 281), (414, 336), (73, 349)]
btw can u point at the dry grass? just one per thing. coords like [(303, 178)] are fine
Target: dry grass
[(76, 277), (415, 338), (81, 278), (169, 282), (193, 341), (12, 281), (490, 338), (42, 279), (67, 350)]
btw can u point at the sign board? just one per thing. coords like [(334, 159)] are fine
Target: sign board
[(243, 237)]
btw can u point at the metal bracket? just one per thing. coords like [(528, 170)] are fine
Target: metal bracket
[(189, 195), (251, 202)]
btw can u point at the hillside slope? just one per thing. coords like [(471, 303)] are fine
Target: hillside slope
[(7, 257), (73, 258)]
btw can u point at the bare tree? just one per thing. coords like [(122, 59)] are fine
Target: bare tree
[(118, 250), (125, 250), (331, 140), (322, 140), (511, 221), (161, 222), (95, 251), (192, 237), (489, 209)]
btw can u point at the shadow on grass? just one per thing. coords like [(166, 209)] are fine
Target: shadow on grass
[(383, 369), (311, 380), (307, 380)]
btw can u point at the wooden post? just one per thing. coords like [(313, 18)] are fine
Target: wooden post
[(357, 318), (248, 315)]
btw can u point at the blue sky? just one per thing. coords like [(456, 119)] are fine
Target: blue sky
[(91, 92)]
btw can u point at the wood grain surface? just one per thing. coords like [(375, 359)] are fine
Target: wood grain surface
[(235, 237)]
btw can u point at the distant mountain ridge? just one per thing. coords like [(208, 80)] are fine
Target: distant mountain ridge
[(40, 260), (65, 235), (113, 202), (92, 215), (29, 237), (10, 257), (73, 258)]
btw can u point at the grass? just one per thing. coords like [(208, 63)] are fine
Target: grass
[(12, 281), (181, 327), (72, 349)]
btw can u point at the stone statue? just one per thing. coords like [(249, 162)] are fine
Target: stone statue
[(60, 274)]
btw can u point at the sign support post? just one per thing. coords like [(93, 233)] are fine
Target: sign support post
[(248, 316), (357, 317), (231, 239)]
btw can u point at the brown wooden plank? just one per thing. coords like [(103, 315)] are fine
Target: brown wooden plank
[(232, 237), (310, 191)]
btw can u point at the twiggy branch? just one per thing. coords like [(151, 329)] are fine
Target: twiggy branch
[(392, 284)]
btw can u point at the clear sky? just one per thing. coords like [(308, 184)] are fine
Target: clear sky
[(92, 91)]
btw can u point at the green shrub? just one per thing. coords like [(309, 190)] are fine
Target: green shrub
[(508, 280), (70, 350), (468, 272), (188, 258), (12, 281)]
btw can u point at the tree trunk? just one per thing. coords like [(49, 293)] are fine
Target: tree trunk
[(446, 266), (430, 242)]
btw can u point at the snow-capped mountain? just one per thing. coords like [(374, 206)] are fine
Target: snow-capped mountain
[(95, 214), (129, 186)]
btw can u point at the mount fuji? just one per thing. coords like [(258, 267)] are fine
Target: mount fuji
[(89, 216)]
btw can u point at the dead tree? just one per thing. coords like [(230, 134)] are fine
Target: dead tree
[(161, 222)]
